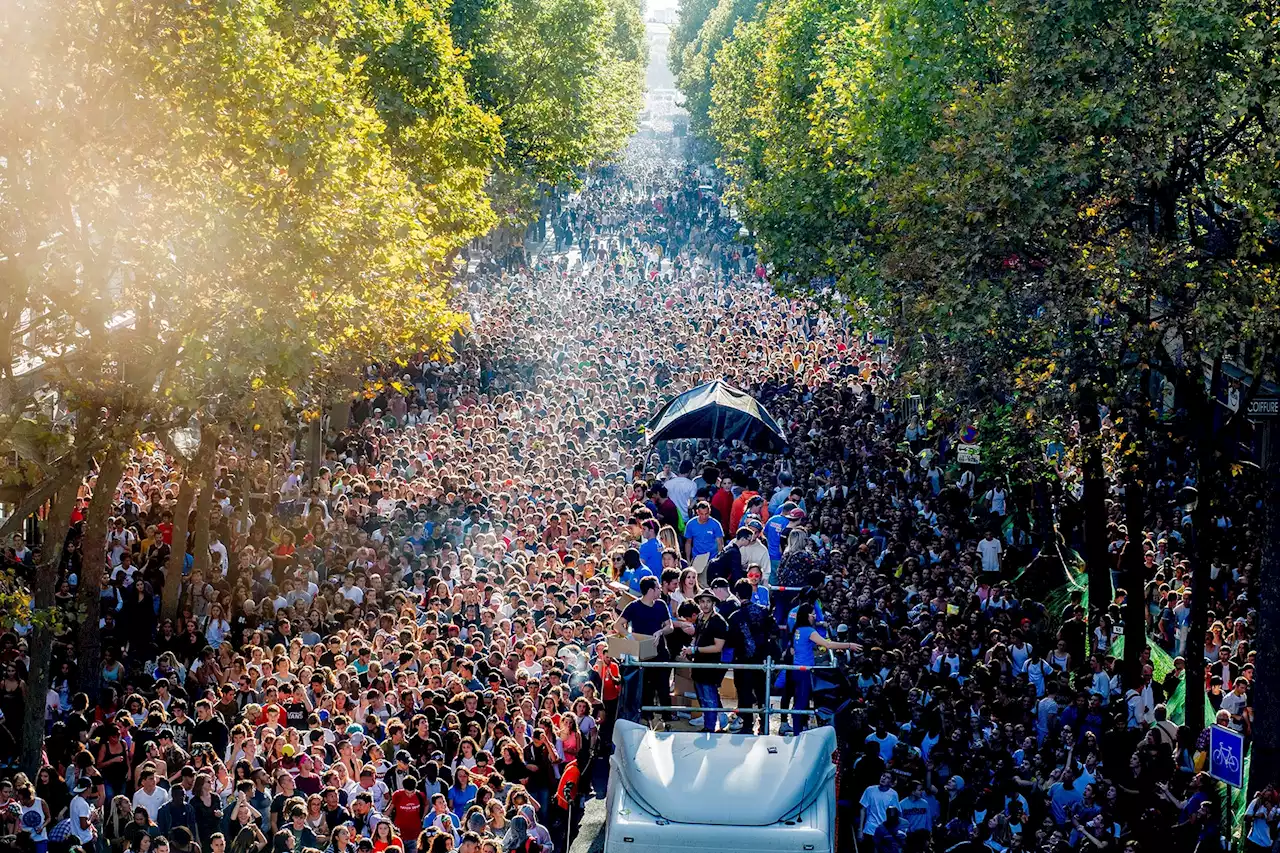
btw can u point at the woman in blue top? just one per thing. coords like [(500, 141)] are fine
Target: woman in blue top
[(461, 792), (806, 641)]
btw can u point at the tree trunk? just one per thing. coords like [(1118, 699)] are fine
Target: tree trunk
[(40, 648), (315, 446), (1201, 551), (1132, 561), (1097, 560), (193, 475), (1132, 558), (1265, 767), (178, 551), (204, 506), (93, 549)]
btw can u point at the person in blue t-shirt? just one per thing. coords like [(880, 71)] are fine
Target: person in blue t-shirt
[(634, 571), (759, 594), (650, 547), (807, 639), (820, 618), (649, 616), (703, 534), (775, 531)]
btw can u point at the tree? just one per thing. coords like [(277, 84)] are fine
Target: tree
[(93, 549), (173, 172), (699, 57), (1091, 184), (564, 76), (690, 16)]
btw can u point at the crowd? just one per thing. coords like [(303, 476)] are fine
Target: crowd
[(408, 649)]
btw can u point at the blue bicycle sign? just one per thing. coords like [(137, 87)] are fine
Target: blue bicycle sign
[(1226, 756)]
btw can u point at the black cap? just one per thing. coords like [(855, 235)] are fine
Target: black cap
[(720, 583)]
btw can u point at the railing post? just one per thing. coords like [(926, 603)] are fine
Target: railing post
[(768, 692)]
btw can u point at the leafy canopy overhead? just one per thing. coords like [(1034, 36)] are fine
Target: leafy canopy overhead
[(565, 77)]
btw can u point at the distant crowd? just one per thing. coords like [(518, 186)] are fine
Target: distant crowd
[(406, 648)]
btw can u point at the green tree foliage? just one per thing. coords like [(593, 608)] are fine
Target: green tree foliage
[(215, 213), (1067, 192), (699, 56), (690, 17), (565, 77)]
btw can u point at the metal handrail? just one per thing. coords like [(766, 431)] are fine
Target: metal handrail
[(680, 664), (769, 668)]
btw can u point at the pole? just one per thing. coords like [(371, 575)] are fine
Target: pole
[(568, 824), (1264, 769), (768, 693)]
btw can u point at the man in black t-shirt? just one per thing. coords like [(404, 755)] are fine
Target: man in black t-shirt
[(648, 615), (710, 633), (295, 707)]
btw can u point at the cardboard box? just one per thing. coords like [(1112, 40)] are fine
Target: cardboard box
[(623, 593), (683, 684), (700, 566), (638, 647), (682, 690), (728, 692)]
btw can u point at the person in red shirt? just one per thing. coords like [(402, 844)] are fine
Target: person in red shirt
[(722, 501), (740, 503), (408, 808), (165, 527), (610, 690)]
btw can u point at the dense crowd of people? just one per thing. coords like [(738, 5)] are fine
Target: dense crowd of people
[(406, 649)]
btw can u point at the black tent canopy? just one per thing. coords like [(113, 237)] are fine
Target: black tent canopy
[(720, 412)]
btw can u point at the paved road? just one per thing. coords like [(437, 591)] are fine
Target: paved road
[(591, 835)]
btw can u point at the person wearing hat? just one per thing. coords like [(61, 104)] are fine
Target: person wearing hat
[(725, 602), (757, 550), (85, 816), (710, 632), (729, 563)]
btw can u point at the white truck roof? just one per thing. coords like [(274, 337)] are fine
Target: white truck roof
[(723, 779)]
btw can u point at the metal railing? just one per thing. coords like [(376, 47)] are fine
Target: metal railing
[(769, 668)]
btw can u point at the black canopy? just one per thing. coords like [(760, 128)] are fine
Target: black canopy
[(717, 411)]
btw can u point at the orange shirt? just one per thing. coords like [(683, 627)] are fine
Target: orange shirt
[(739, 508), (610, 680)]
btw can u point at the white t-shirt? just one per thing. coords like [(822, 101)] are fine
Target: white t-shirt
[(119, 541), (1235, 705), (151, 802), (681, 490), (80, 808), (219, 552), (1260, 833), (887, 743), (990, 550), (875, 802), (1020, 657)]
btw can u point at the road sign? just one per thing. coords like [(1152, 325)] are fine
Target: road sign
[(1226, 756), (969, 454), (1264, 408)]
